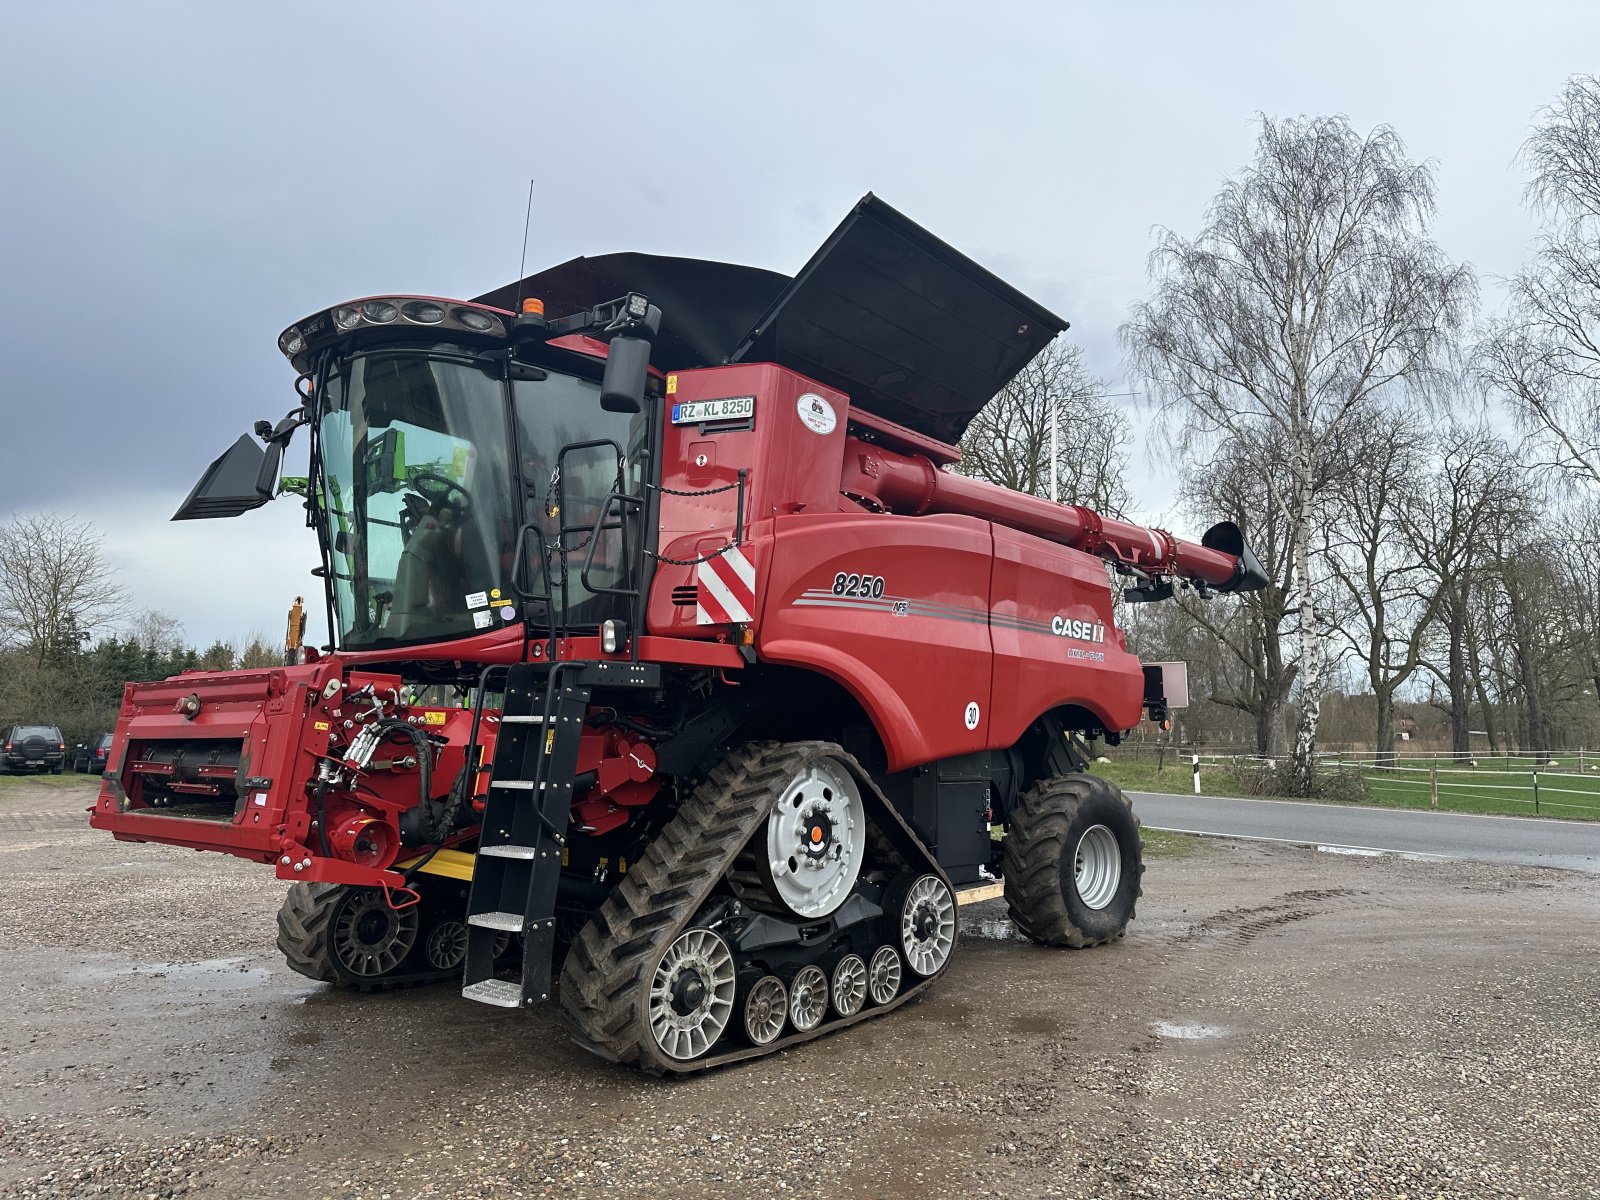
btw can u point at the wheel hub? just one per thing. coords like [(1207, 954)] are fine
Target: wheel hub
[(819, 834), (688, 992)]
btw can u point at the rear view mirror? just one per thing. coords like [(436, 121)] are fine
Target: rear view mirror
[(233, 483), (627, 367)]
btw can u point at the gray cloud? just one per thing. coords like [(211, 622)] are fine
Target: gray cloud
[(179, 182)]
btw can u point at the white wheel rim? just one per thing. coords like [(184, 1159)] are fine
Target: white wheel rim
[(808, 998), (813, 876), (765, 1010), (684, 1025), (883, 974), (1097, 867), (928, 925), (849, 985)]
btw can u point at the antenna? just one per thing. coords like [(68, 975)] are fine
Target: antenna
[(522, 269)]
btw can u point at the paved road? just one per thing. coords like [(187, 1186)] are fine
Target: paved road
[(1574, 845)]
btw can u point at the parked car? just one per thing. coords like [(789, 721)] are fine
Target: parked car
[(90, 756), (33, 748)]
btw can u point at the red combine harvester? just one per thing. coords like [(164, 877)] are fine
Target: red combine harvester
[(666, 654)]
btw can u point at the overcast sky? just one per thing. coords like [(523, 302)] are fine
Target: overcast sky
[(180, 182)]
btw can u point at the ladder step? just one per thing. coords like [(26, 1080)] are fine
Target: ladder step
[(494, 991), (535, 719), (528, 852), (503, 921), (516, 785)]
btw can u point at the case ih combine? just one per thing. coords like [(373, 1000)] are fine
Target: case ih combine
[(665, 653)]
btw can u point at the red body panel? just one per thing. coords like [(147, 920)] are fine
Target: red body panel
[(1041, 659)]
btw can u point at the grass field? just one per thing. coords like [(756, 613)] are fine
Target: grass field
[(1503, 788), (11, 785)]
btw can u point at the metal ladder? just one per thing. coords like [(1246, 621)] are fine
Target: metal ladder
[(524, 831)]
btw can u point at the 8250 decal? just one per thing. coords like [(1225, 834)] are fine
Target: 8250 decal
[(850, 584)]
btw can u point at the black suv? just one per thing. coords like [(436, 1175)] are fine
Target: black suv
[(33, 748), (90, 757)]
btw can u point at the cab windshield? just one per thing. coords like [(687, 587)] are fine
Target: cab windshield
[(424, 453)]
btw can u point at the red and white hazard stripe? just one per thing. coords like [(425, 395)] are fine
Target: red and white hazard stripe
[(727, 588)]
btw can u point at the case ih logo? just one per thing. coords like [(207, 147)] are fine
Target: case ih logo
[(727, 588), (1084, 631)]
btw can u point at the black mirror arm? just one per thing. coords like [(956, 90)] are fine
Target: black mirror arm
[(277, 438)]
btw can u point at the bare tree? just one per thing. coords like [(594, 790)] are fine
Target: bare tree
[(1472, 492), (1545, 353), (1312, 286), (1383, 524), (56, 587), (1009, 441), (1249, 626), (156, 632)]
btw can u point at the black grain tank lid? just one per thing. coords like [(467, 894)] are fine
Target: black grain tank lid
[(906, 325)]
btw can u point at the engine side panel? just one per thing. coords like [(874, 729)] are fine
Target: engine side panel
[(896, 610)]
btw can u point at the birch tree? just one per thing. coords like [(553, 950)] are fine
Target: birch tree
[(1312, 286)]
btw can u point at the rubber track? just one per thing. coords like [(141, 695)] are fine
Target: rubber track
[(605, 984), (1035, 840)]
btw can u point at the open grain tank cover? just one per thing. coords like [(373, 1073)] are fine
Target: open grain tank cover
[(909, 327)]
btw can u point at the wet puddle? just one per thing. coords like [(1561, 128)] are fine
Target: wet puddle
[(995, 929), (1189, 1031), (211, 974)]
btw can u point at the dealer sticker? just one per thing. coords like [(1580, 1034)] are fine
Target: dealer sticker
[(816, 414), (697, 412)]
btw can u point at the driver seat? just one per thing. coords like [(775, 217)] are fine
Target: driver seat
[(427, 583)]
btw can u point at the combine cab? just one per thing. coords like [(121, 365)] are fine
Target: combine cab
[(671, 674)]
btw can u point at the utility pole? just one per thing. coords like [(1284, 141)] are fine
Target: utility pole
[(1055, 452)]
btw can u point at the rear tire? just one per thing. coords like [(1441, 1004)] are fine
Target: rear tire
[(1073, 862)]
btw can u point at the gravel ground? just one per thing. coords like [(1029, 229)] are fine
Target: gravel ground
[(1278, 1023)]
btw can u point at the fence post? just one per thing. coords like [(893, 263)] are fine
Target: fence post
[(1196, 765), (1433, 788), (1536, 793)]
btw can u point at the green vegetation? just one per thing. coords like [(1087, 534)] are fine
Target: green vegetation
[(1160, 844)]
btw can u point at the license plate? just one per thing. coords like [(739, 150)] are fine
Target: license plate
[(696, 412)]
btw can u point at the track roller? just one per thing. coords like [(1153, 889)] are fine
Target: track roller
[(849, 985), (883, 974), (808, 998), (766, 1008)]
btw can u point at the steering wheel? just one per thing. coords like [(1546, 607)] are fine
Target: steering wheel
[(441, 490)]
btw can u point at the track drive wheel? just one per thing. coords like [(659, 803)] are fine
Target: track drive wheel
[(1073, 861)]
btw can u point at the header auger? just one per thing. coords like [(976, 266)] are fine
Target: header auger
[(669, 670)]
